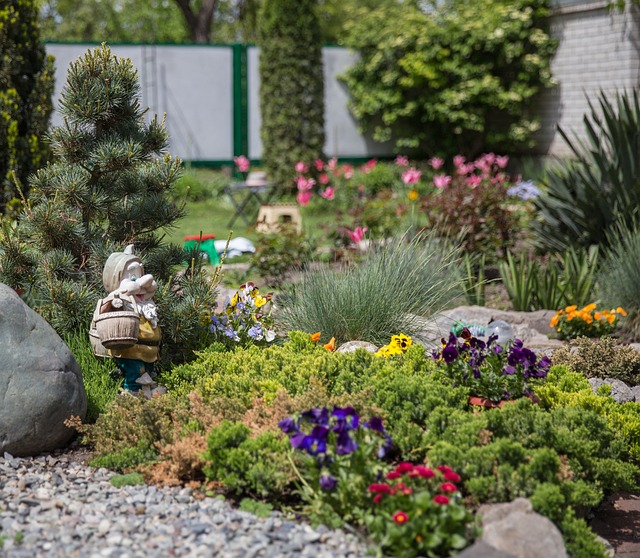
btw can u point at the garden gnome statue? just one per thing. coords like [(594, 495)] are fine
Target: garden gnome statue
[(124, 276)]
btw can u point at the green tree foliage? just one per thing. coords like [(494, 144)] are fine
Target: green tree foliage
[(26, 86), (121, 21), (457, 78), (110, 185), (291, 86)]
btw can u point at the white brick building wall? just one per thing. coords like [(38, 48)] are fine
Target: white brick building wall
[(598, 50)]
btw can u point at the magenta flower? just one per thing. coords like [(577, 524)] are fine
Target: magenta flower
[(411, 176), (319, 164), (369, 165), (329, 193), (436, 162), (502, 161), (301, 167), (473, 181), (324, 178), (242, 163), (458, 160), (441, 181), (357, 235), (303, 198), (305, 184), (347, 172), (402, 161), (332, 164)]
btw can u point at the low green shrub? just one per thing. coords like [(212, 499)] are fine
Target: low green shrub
[(601, 358), (130, 479), (248, 466), (127, 457)]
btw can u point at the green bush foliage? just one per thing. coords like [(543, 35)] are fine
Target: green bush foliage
[(257, 467), (26, 87), (111, 185), (602, 358), (455, 79), (281, 253), (291, 87), (572, 210), (126, 458), (387, 293)]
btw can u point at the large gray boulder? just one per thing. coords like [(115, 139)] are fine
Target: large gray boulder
[(40, 381)]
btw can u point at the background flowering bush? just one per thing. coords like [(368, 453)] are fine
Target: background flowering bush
[(245, 320), (572, 322), (418, 511), (339, 458), (490, 370), (473, 203)]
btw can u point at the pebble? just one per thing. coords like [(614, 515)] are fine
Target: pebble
[(53, 508)]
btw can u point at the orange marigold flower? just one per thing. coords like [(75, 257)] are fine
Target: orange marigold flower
[(590, 307), (315, 337), (597, 316), (400, 517), (570, 309), (331, 345), (554, 321), (621, 311), (610, 317)]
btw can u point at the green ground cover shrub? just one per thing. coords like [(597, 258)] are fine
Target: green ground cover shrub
[(604, 358)]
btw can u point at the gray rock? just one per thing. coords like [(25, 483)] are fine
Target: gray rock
[(351, 346), (483, 550), (620, 391), (40, 381), (516, 529), (636, 393)]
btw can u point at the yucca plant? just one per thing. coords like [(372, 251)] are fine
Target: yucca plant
[(584, 197), (389, 292)]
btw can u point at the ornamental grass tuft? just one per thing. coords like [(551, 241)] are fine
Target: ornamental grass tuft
[(390, 290)]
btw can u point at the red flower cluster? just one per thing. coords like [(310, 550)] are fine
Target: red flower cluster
[(379, 490)]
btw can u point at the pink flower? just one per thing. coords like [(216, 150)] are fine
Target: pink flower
[(242, 163), (361, 188), (502, 161), (466, 169), (441, 499), (324, 178), (332, 164), (305, 184), (473, 180), (441, 181), (436, 162), (458, 160), (369, 165), (411, 176), (301, 167), (422, 472), (402, 161), (328, 194), (347, 171), (319, 164), (356, 236), (304, 197)]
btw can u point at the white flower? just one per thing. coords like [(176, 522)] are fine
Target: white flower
[(270, 335)]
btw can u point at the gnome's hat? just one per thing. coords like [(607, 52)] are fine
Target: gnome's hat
[(115, 266)]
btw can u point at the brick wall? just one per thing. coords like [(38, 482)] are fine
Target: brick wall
[(599, 50)]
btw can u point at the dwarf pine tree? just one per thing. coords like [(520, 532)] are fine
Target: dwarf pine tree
[(109, 185), (291, 87), (26, 87)]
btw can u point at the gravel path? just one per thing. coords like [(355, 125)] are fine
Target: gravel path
[(52, 506)]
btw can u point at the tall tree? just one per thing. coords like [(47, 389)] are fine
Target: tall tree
[(110, 185), (291, 87), (150, 21), (26, 87)]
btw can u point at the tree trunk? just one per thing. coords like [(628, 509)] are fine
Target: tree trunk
[(199, 23)]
